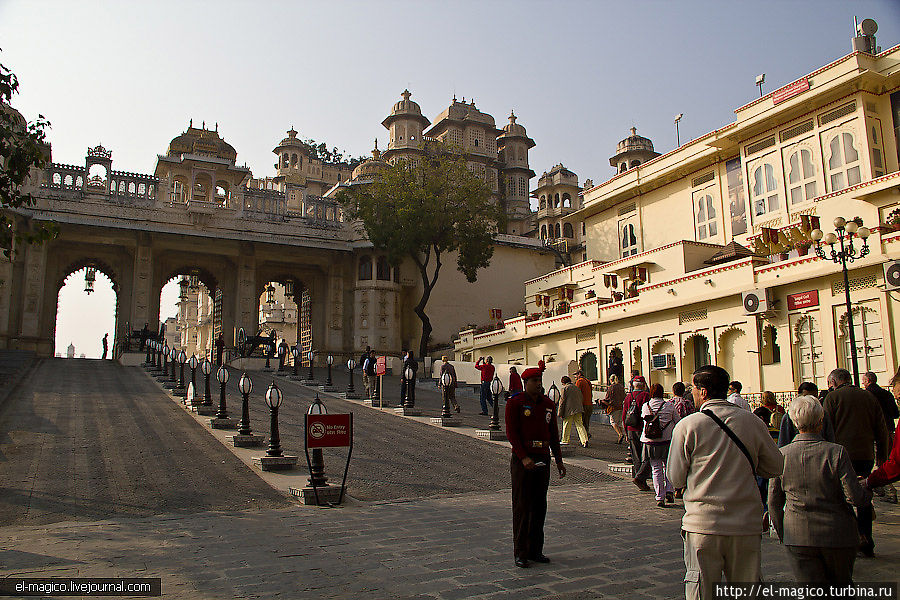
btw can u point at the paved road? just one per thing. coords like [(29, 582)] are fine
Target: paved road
[(90, 439)]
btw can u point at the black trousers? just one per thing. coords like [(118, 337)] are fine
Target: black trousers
[(822, 565), (640, 468), (864, 514), (529, 505)]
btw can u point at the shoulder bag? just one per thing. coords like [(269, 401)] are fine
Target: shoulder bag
[(733, 436)]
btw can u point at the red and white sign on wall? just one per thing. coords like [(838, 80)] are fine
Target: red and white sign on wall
[(790, 90), (328, 431), (381, 365), (803, 300)]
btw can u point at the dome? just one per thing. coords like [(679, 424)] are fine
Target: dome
[(370, 167), (513, 128), (405, 109), (203, 142), (292, 140), (634, 142)]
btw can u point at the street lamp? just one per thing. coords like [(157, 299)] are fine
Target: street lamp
[(194, 363), (295, 351), (149, 345), (206, 369), (553, 392), (282, 353), (245, 386), (90, 274), (351, 364), (677, 134), (310, 355), (222, 378), (496, 390), (410, 399), (173, 358), (446, 380), (847, 254), (317, 464), (760, 80), (273, 401), (329, 361), (183, 287), (182, 358)]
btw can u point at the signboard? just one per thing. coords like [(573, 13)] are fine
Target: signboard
[(791, 90), (803, 300), (328, 431), (381, 365)]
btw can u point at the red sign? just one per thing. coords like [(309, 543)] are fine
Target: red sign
[(328, 431), (791, 90), (381, 365), (803, 300)]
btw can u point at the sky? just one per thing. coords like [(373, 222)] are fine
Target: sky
[(578, 74)]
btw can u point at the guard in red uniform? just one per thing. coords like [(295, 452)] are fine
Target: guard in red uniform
[(532, 430)]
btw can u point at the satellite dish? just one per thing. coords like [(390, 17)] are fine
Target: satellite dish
[(868, 27)]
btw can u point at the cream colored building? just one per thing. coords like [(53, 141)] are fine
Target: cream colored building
[(667, 241), (558, 195)]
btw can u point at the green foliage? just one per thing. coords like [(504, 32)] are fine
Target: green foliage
[(22, 148), (333, 156), (424, 210)]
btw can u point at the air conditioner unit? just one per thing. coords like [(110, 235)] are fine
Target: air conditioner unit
[(662, 362), (892, 275), (756, 302)]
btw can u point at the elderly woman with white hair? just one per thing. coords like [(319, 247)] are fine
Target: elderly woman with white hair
[(810, 504)]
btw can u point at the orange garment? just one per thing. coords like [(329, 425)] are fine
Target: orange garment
[(586, 390)]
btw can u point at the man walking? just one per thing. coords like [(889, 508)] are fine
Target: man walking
[(858, 426), (722, 524), (105, 342), (889, 408), (487, 375), (587, 400), (450, 390), (734, 395), (532, 431)]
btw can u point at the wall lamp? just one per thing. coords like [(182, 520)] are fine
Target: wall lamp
[(709, 282)]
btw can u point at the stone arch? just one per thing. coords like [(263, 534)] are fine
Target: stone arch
[(695, 352), (83, 262), (205, 276), (70, 269), (664, 377), (731, 351), (587, 362)]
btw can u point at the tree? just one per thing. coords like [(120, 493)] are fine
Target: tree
[(22, 148), (424, 210)]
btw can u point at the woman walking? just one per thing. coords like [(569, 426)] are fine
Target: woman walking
[(615, 397), (570, 408), (659, 420)]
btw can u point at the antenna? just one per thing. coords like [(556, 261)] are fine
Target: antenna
[(760, 80)]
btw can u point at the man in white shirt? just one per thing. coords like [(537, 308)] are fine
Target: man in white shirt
[(734, 395)]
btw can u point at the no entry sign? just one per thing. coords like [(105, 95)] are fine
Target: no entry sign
[(328, 431), (381, 365)]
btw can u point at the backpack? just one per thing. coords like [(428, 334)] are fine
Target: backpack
[(632, 417), (653, 429)]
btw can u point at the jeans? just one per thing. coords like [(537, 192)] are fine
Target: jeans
[(661, 484), (864, 514), (486, 397)]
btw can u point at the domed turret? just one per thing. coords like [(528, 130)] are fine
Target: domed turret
[(632, 151), (369, 168), (202, 142), (405, 123), (291, 152)]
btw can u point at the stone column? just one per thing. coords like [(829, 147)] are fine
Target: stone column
[(246, 298), (36, 308), (142, 286)]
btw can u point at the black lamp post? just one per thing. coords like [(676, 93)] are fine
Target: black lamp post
[(173, 358), (496, 390), (151, 354), (329, 361), (446, 381), (847, 254), (310, 356), (351, 364), (282, 354), (245, 386), (193, 363), (206, 369), (317, 471), (159, 356), (273, 401), (268, 367), (222, 378), (410, 400), (554, 394), (182, 358), (147, 362), (295, 352)]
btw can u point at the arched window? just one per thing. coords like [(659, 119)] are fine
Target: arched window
[(634, 164), (57, 179), (801, 176), (843, 162), (566, 200), (365, 268), (68, 181), (79, 182), (623, 167), (293, 160), (629, 241), (765, 190), (556, 201), (706, 217), (284, 159), (568, 231), (556, 230), (383, 269), (543, 202), (543, 232)]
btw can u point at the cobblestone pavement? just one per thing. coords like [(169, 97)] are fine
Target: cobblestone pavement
[(87, 439)]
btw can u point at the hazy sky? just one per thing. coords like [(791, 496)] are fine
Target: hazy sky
[(130, 75)]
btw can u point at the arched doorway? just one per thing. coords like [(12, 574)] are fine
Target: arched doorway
[(869, 337), (695, 354), (86, 310), (588, 365), (662, 369), (733, 353), (807, 349), (190, 312), (615, 364)]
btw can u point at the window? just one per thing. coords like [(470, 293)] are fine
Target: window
[(383, 269), (801, 176), (583, 229), (765, 190), (543, 202), (523, 186), (365, 268), (556, 229), (543, 232), (843, 162), (567, 200), (706, 217), (629, 241), (568, 231)]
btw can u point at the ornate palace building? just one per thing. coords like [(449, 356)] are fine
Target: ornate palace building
[(705, 254)]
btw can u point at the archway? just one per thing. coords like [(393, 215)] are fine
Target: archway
[(86, 309), (695, 353), (279, 313), (733, 353), (615, 364), (190, 312), (587, 362), (662, 368)]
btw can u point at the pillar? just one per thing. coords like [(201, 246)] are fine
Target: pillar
[(142, 285)]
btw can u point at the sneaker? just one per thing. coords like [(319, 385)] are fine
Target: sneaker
[(670, 497), (661, 504), (641, 485)]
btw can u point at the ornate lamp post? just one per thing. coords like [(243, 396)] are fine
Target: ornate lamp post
[(351, 364), (282, 355), (182, 358), (273, 401), (147, 362), (90, 274), (206, 369), (193, 363), (846, 254), (410, 400), (245, 385), (317, 472), (554, 394), (496, 390), (222, 378), (173, 358), (446, 380), (295, 352), (329, 361), (310, 356), (151, 354)]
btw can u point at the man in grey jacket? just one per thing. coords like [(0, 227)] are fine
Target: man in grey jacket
[(722, 524)]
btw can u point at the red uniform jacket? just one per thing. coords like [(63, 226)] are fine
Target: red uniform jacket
[(890, 470), (531, 426), (487, 371)]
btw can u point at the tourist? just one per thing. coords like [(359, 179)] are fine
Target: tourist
[(587, 400), (635, 374), (613, 403), (787, 432), (808, 504), (105, 342), (889, 471), (515, 382), (770, 412), (532, 432), (220, 348), (370, 377), (858, 426), (734, 395), (570, 409), (889, 407), (486, 367), (659, 420), (450, 390), (722, 524), (683, 406), (633, 405)]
